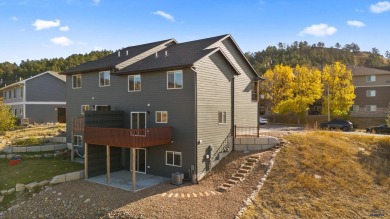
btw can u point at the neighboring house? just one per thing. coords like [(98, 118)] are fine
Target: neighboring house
[(171, 105), (372, 89), (38, 99)]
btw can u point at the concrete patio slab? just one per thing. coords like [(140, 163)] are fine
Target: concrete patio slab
[(122, 180)]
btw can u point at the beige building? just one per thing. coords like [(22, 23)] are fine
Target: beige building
[(372, 89)]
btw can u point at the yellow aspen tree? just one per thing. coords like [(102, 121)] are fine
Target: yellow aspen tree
[(278, 87), (307, 88), (338, 88)]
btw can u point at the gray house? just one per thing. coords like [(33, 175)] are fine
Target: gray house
[(164, 107), (38, 99)]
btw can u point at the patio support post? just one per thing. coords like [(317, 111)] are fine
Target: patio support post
[(133, 168), (108, 164), (86, 160)]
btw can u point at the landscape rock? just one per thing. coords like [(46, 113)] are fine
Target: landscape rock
[(10, 191), (58, 179), (20, 187), (317, 176), (4, 192), (87, 200), (42, 183), (32, 185), (1, 198), (2, 156)]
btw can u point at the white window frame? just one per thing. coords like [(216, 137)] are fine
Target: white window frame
[(173, 158), (159, 119), (104, 79), (370, 108), (371, 78), (174, 79), (222, 117), (370, 93), (74, 77), (128, 83), (78, 137), (88, 107)]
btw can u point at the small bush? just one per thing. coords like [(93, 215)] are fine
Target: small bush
[(28, 141)]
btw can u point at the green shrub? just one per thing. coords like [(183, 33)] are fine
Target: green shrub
[(28, 141), (7, 119)]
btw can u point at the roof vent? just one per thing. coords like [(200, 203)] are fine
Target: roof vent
[(119, 53), (166, 53), (156, 54), (127, 52)]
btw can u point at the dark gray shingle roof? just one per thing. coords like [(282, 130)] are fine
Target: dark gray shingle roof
[(110, 61), (177, 55)]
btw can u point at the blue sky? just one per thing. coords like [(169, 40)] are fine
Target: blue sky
[(35, 29)]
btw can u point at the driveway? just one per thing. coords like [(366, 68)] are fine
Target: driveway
[(280, 128)]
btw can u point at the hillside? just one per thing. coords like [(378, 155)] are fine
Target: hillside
[(327, 175)]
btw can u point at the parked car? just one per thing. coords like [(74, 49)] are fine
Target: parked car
[(380, 129), (342, 124), (263, 121)]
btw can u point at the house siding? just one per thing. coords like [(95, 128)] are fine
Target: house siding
[(41, 113), (214, 75), (178, 102), (45, 88), (17, 98), (244, 109)]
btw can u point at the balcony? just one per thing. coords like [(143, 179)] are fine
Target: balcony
[(128, 138)]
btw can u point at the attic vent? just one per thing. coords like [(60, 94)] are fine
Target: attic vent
[(127, 52), (166, 53), (156, 54), (119, 53)]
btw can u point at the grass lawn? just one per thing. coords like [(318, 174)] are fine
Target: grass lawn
[(327, 175), (30, 170)]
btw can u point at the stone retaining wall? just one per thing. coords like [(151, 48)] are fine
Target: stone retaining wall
[(25, 149), (255, 144)]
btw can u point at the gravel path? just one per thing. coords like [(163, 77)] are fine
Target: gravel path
[(83, 199)]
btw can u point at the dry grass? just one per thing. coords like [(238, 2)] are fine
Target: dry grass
[(354, 183)]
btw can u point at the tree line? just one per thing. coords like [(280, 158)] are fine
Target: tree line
[(12, 72), (301, 53)]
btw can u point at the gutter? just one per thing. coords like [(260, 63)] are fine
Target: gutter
[(196, 121)]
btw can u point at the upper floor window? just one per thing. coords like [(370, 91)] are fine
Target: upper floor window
[(76, 81), (371, 78), (371, 108), (21, 91), (222, 117), (104, 78), (161, 117), (21, 111), (254, 91), (134, 83), (85, 108), (175, 79), (14, 93), (371, 93)]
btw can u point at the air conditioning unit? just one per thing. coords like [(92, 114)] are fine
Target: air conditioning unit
[(177, 178)]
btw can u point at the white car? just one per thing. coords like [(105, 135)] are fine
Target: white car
[(263, 121)]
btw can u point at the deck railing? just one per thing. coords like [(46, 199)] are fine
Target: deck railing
[(129, 138), (251, 132)]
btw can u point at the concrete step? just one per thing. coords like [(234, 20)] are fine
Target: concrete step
[(251, 160), (246, 167), (239, 175), (232, 181), (222, 189), (243, 171), (236, 178), (227, 185)]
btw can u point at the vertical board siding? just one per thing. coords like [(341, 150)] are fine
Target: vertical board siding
[(214, 76)]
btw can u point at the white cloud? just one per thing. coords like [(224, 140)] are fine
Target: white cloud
[(318, 30), (380, 7), (62, 41), (356, 23), (14, 18), (95, 2), (82, 43), (64, 28), (165, 15), (42, 24)]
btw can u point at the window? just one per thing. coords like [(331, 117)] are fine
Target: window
[(21, 111), (173, 158), (355, 108), (104, 78), (370, 108), (76, 81), (370, 93), (85, 108), (102, 107), (15, 111), (371, 78), (222, 117), (134, 83), (15, 93), (175, 79), (161, 117), (9, 94), (21, 91), (78, 140), (254, 91)]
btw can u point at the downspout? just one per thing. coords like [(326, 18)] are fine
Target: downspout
[(196, 123), (232, 127)]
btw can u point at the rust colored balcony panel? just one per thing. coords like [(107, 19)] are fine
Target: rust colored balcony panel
[(129, 138)]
